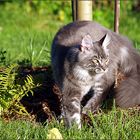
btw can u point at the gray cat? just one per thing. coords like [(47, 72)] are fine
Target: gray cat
[(85, 59)]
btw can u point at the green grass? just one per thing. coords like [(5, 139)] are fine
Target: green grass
[(28, 36), (23, 34), (116, 124)]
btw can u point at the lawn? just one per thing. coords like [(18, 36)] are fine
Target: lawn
[(116, 124), (25, 38), (28, 35)]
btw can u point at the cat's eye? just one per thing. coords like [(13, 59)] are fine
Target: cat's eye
[(89, 65), (107, 61), (98, 70), (95, 57), (95, 61)]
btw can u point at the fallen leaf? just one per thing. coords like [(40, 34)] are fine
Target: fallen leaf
[(54, 134)]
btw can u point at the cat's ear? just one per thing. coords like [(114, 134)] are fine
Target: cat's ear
[(86, 43), (105, 41)]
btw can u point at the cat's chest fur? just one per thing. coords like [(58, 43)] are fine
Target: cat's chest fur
[(82, 75), (84, 79)]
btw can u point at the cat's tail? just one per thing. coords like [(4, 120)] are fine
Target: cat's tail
[(128, 92)]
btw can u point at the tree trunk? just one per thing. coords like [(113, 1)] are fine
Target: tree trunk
[(82, 9), (117, 16), (74, 9)]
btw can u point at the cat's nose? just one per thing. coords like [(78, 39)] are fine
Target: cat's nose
[(103, 69)]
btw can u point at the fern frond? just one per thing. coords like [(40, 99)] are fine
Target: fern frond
[(11, 92)]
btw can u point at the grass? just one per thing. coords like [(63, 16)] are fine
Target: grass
[(116, 124), (21, 32), (26, 38)]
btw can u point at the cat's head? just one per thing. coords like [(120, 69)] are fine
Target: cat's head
[(94, 56)]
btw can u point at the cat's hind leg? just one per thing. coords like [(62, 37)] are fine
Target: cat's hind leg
[(128, 92)]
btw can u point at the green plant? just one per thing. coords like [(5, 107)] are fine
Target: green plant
[(2, 57), (34, 57), (11, 92), (116, 124)]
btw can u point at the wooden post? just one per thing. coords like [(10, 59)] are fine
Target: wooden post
[(82, 9), (117, 16), (74, 9)]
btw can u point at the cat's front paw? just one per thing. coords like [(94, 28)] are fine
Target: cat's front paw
[(86, 110), (90, 110), (74, 120)]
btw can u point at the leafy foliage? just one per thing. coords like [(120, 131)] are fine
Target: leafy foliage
[(2, 57), (11, 92)]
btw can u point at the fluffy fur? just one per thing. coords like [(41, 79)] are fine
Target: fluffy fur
[(74, 47)]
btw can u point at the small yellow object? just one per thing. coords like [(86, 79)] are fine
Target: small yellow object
[(54, 134), (61, 15)]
